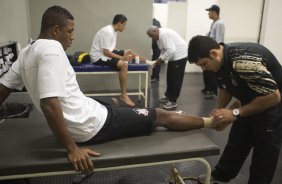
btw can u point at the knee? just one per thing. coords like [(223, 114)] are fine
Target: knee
[(122, 65), (128, 52), (162, 115)]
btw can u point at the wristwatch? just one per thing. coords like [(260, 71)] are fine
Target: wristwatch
[(236, 113)]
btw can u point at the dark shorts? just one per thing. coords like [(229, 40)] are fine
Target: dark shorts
[(110, 62), (124, 122)]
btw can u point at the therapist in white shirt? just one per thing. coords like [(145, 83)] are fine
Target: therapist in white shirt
[(173, 49)]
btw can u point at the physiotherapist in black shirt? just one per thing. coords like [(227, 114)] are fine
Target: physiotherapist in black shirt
[(250, 73)]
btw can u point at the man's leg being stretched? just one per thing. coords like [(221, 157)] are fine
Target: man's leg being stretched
[(181, 122)]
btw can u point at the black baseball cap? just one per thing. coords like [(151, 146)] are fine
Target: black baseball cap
[(214, 8)]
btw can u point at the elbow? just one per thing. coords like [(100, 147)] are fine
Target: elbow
[(106, 52), (278, 98)]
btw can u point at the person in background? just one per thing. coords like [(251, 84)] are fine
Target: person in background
[(104, 53), (155, 77), (250, 73), (44, 70), (173, 49), (216, 32)]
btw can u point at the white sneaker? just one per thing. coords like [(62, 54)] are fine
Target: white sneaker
[(150, 63), (202, 179)]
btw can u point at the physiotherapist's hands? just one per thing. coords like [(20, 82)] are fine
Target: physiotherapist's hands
[(81, 159), (223, 117)]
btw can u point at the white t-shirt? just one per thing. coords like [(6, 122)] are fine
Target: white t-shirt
[(105, 38), (172, 45), (44, 69)]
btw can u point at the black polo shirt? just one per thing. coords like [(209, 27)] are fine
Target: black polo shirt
[(249, 70)]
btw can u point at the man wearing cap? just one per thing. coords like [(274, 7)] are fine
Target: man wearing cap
[(217, 33), (217, 28)]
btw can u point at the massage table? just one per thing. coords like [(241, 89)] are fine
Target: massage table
[(133, 69), (29, 149)]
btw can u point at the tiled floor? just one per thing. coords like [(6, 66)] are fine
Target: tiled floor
[(192, 102)]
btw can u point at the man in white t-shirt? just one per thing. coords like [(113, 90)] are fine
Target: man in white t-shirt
[(174, 50), (44, 70), (104, 53)]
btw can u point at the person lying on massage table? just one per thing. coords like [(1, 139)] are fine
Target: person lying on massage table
[(44, 70)]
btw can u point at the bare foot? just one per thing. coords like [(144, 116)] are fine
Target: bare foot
[(127, 100)]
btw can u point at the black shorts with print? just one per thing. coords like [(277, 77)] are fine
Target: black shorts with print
[(124, 122)]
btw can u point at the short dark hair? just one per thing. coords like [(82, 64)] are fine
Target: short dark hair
[(119, 18), (55, 15), (199, 47)]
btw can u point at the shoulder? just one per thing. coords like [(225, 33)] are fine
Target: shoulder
[(245, 58), (108, 29), (219, 23), (165, 31), (46, 46), (46, 43)]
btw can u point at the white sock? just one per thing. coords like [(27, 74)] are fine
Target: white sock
[(208, 122), (150, 63)]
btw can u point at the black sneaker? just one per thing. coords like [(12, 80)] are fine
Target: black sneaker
[(204, 90), (163, 100), (210, 95), (170, 106), (153, 80)]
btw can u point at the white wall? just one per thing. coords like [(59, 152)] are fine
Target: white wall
[(177, 13), (242, 19), (14, 21), (271, 36)]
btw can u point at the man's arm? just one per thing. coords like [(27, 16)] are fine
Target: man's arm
[(79, 157), (224, 98), (113, 55), (224, 116), (4, 93), (260, 104)]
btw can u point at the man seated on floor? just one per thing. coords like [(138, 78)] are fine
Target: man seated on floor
[(44, 70), (104, 53)]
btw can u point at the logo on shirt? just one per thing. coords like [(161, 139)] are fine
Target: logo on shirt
[(143, 112)]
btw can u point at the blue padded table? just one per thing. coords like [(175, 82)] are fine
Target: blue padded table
[(29, 149), (138, 69)]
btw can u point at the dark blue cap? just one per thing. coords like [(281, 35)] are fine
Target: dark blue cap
[(214, 8)]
